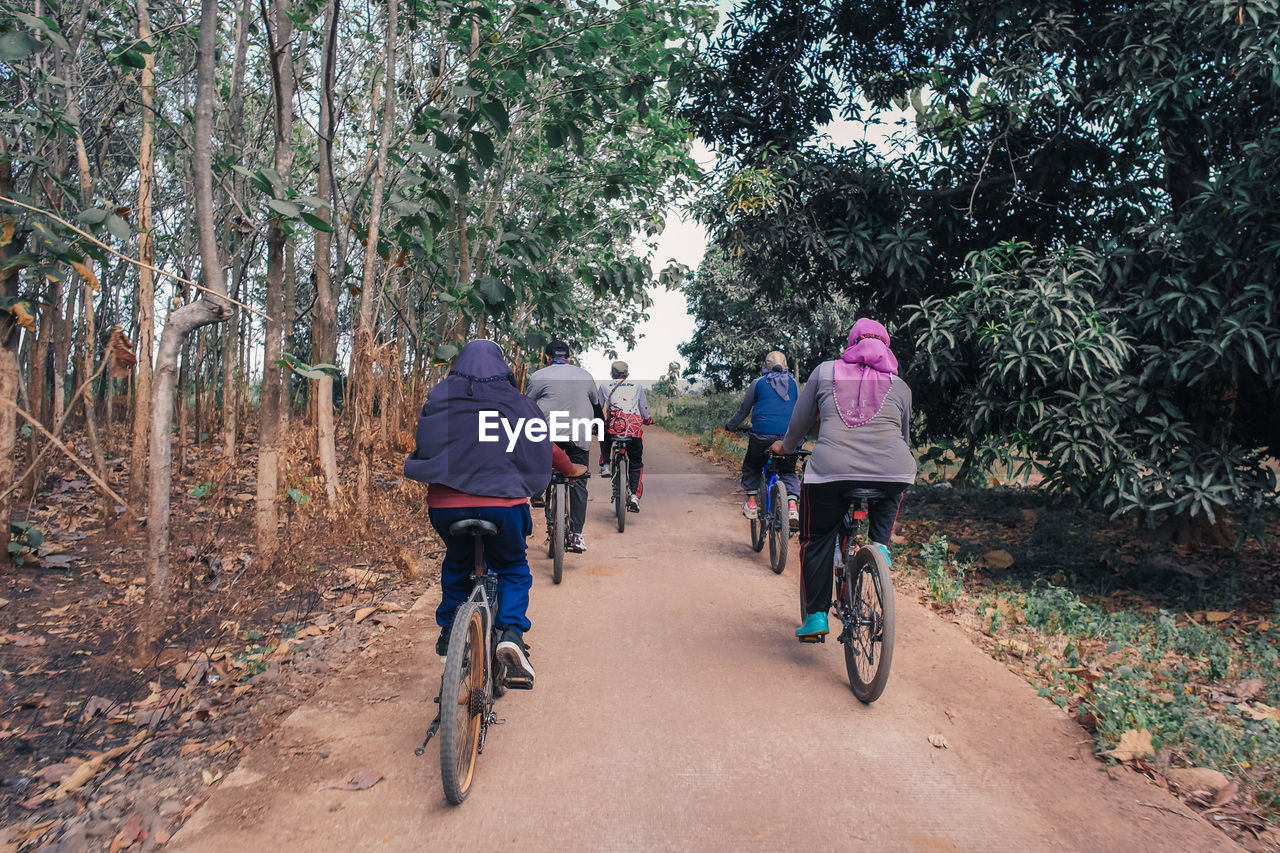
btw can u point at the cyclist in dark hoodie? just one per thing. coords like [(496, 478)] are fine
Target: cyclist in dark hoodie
[(769, 400), (469, 477)]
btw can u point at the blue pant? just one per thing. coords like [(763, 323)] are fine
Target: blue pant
[(504, 556)]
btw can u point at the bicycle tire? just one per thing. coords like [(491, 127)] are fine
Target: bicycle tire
[(868, 653), (620, 475), (758, 524), (462, 702), (550, 514), (779, 528), (560, 497)]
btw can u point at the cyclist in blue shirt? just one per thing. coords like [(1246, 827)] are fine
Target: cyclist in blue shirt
[(770, 401)]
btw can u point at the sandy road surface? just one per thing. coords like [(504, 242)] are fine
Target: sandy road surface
[(674, 711)]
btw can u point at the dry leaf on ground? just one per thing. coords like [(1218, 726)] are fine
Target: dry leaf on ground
[(1217, 615), (1133, 744), (939, 741), (360, 780), (364, 613), (998, 558), (1226, 793)]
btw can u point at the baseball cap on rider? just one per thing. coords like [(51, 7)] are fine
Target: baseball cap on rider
[(619, 369), (557, 348)]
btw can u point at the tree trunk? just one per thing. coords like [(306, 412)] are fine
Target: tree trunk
[(146, 282), (211, 308), (279, 37), (364, 428), (324, 343)]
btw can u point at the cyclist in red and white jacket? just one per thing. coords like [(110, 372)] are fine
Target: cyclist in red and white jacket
[(625, 413)]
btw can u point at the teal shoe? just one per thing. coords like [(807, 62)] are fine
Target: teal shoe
[(815, 625), (884, 549)]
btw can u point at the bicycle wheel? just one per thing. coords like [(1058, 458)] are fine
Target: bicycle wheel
[(560, 500), (462, 702), (758, 524), (620, 491), (779, 528), (867, 593), (550, 511)]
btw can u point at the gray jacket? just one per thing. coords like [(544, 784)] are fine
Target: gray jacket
[(568, 389), (879, 450)]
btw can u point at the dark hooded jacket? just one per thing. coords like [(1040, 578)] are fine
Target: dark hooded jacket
[(449, 450)]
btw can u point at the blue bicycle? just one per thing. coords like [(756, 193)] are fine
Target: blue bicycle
[(771, 519)]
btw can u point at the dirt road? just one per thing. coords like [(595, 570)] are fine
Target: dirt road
[(674, 711)]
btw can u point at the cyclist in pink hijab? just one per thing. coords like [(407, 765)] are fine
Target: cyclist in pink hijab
[(864, 410)]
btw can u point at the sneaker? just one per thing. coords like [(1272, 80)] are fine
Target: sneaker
[(884, 549), (442, 644), (605, 471), (514, 654), (793, 513), (540, 499), (750, 509), (577, 544), (814, 625), (633, 503)]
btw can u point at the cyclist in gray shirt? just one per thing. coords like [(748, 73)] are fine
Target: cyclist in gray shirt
[(863, 409), (562, 387)]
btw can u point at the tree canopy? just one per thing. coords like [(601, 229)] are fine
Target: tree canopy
[(1103, 168)]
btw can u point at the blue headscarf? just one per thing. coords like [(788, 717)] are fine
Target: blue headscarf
[(779, 379), (449, 450)]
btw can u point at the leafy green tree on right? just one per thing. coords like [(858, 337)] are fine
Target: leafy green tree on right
[(1088, 211)]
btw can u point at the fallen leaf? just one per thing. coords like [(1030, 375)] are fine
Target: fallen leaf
[(1260, 711), (86, 771), (951, 713), (1190, 779), (55, 773), (130, 833), (1133, 743), (1226, 793), (359, 781), (1250, 688), (309, 631), (3, 602), (939, 741), (1217, 615), (390, 607), (364, 613), (998, 558)]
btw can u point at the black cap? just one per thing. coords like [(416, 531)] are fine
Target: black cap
[(557, 348)]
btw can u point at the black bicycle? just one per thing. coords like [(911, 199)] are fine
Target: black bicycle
[(473, 676), (620, 493), (557, 512), (864, 602)]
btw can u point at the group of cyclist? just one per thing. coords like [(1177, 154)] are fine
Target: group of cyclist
[(858, 404)]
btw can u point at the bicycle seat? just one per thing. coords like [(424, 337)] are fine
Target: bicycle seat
[(473, 526), (864, 494)]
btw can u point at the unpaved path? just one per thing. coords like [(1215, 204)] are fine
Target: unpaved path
[(674, 710)]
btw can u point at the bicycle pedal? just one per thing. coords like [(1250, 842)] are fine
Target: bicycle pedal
[(519, 683), (813, 638)]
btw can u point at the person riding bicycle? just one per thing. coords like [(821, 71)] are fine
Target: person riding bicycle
[(625, 411), (769, 400), (864, 412), (471, 477), (562, 387)]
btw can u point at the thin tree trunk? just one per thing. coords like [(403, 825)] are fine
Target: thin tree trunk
[(279, 37), (146, 281), (364, 428), (211, 308), (324, 344)]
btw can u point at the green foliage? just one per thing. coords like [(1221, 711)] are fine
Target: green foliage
[(1084, 219), (943, 574), (298, 496), (203, 490), (24, 539)]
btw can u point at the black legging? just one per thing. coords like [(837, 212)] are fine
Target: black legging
[(822, 507)]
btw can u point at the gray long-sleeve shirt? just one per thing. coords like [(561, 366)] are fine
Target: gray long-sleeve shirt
[(568, 389), (878, 451)]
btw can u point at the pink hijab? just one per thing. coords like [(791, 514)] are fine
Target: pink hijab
[(864, 374)]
